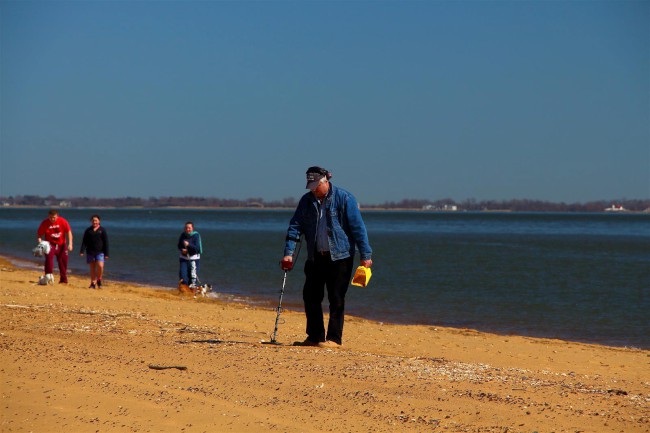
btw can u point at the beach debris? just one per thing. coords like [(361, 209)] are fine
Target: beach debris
[(166, 367), (20, 306)]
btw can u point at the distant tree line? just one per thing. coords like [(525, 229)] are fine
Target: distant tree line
[(151, 202), (517, 205)]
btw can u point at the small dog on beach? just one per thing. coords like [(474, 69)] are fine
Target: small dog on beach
[(46, 279), (194, 290), (184, 289), (202, 290)]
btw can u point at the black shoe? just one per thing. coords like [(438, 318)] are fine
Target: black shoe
[(92, 286), (307, 342), (99, 284)]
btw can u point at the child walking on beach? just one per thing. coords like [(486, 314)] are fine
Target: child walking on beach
[(95, 245)]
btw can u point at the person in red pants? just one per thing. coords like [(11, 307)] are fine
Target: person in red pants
[(54, 230)]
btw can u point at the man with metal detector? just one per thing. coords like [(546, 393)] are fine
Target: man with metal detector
[(331, 222)]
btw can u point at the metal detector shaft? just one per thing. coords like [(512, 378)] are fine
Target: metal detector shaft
[(286, 267), (279, 309)]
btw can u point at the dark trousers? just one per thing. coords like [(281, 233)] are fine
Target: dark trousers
[(335, 275), (61, 253)]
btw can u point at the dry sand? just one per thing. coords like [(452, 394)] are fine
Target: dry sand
[(80, 360)]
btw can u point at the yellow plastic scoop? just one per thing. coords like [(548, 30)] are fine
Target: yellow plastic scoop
[(362, 276)]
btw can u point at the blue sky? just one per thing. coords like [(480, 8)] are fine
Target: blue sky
[(545, 100)]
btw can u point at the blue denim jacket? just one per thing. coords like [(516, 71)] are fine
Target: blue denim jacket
[(345, 227)]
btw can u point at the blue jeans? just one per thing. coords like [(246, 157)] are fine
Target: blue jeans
[(189, 271)]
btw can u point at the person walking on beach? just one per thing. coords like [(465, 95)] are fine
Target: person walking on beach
[(95, 246), (330, 220), (189, 245), (54, 230)]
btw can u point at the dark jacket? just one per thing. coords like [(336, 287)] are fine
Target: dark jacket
[(194, 239), (95, 241)]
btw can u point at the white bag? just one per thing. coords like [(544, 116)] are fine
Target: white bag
[(42, 249)]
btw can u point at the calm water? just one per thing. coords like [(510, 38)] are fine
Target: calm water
[(581, 277)]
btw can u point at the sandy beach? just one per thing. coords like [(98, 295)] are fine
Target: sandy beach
[(128, 358)]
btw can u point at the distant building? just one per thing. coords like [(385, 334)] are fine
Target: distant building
[(445, 208), (616, 208)]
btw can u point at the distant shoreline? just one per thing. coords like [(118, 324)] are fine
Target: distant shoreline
[(288, 209), (447, 205)]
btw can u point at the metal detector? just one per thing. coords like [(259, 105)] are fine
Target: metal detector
[(279, 310), (286, 266)]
